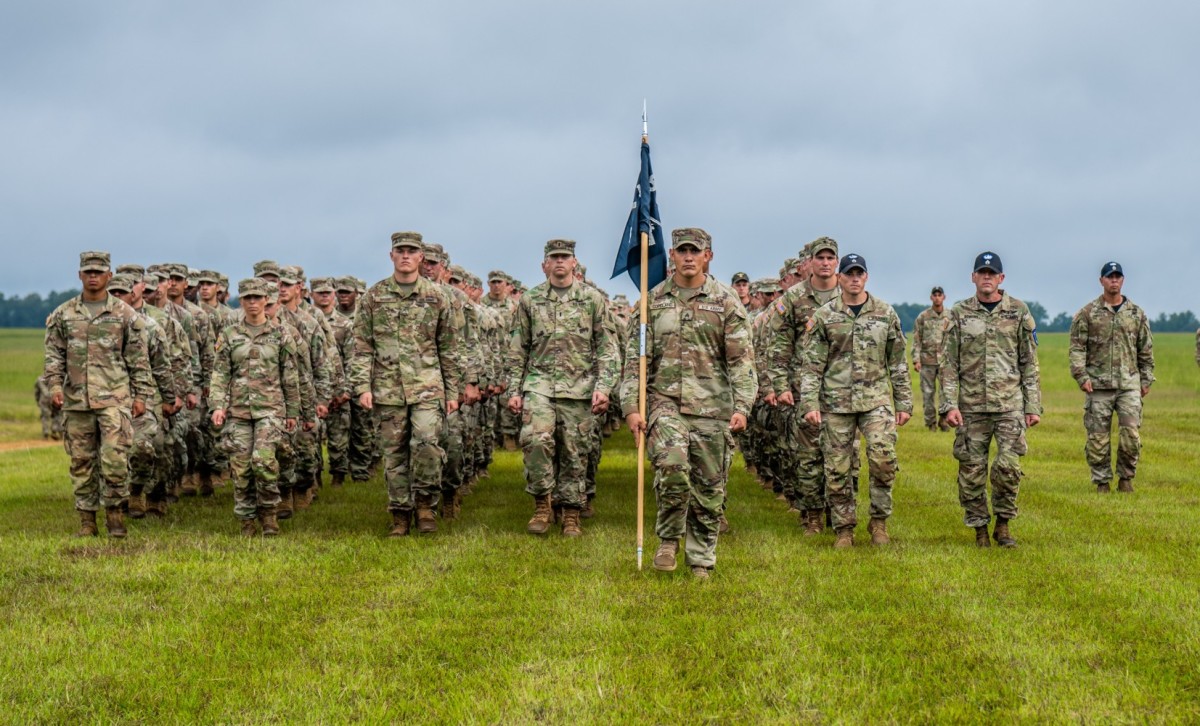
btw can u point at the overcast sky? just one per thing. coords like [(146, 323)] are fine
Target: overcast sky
[(1057, 134)]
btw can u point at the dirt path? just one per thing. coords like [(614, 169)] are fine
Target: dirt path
[(27, 444)]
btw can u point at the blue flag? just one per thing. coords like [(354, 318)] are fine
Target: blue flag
[(644, 217)]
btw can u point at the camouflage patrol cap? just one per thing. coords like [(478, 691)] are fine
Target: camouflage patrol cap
[(620, 299), (176, 269), (345, 284), (739, 277), (254, 287), (322, 284), (299, 273), (407, 239), (694, 236), (559, 247), (361, 283), (496, 275), (193, 277), (121, 283), (434, 252), (581, 269), (805, 254), (150, 281), (223, 282), (771, 285), (159, 271), (209, 276), (790, 264), (823, 243), (290, 275), (95, 261), (265, 267), (457, 273), (131, 269), (272, 291)]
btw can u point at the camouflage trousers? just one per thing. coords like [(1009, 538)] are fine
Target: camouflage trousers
[(471, 434), (691, 457), (769, 457), (805, 472), (840, 445), (1098, 413), (364, 438), (929, 375), (148, 440), (52, 418), (972, 441), (507, 424), (594, 453), (177, 443), (337, 439), (166, 465), (195, 439), (557, 439), (412, 458), (454, 428), (307, 457), (98, 443), (252, 445)]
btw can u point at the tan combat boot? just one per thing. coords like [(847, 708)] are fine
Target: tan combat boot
[(1125, 485), (878, 530), (1103, 488), (338, 480), (510, 443), (664, 559), (114, 522), (270, 522), (87, 524), (301, 499), (813, 525), (588, 510), (570, 525), (426, 518), (451, 501), (543, 514), (722, 525), (188, 489), (249, 528), (137, 506), (981, 536), (400, 522), (284, 509), (700, 572), (845, 539), (1001, 534)]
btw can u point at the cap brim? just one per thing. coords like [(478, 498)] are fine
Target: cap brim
[(851, 267), (94, 268), (989, 268)]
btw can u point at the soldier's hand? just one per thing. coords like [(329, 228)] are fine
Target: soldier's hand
[(470, 394), (599, 402), (289, 425), (57, 400), (635, 423), (178, 405), (787, 399), (191, 401), (1086, 387), (515, 404), (1145, 391), (917, 365), (902, 418), (138, 408), (167, 409), (1031, 420), (737, 423), (954, 417), (322, 411), (770, 400), (451, 406), (366, 401), (218, 417), (813, 418), (309, 425)]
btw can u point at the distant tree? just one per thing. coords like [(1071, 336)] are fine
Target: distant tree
[(1184, 322), (908, 312), (1060, 324), (1040, 316), (32, 310)]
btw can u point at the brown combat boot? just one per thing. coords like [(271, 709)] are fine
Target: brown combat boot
[(270, 522), (451, 504), (87, 524), (813, 525), (1125, 486), (588, 510), (845, 539), (426, 518), (1001, 534), (510, 443), (114, 522), (137, 506), (981, 536), (301, 499), (722, 525), (570, 525), (879, 533), (664, 559), (188, 488), (1103, 488), (543, 513), (338, 480), (399, 524), (249, 528), (206, 484), (284, 509), (700, 572)]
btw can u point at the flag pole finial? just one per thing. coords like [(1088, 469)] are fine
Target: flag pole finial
[(645, 128)]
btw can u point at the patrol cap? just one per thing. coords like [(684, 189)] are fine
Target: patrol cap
[(272, 291), (209, 276), (223, 282), (407, 239), (694, 236), (496, 276), (121, 283), (322, 284), (989, 261), (265, 267), (1112, 268), (739, 277), (804, 256), (457, 273), (94, 261), (434, 252), (937, 290), (767, 285), (176, 269), (193, 277), (823, 243), (345, 284), (790, 264), (254, 287), (151, 282), (159, 271), (850, 262), (299, 273), (581, 269), (131, 269), (290, 275)]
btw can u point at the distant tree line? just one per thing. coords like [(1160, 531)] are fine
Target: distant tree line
[(1184, 322), (32, 310)]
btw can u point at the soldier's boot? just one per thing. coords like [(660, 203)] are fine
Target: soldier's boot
[(448, 505), (301, 498), (156, 509), (338, 480), (1125, 485), (399, 524), (270, 521), (812, 522), (781, 497), (879, 533), (87, 524), (284, 508), (700, 572), (114, 522), (722, 525), (588, 510), (426, 518), (137, 505), (510, 443), (828, 517), (981, 536), (543, 514), (206, 484), (845, 539), (570, 525), (249, 528), (1103, 488), (189, 488), (1001, 534), (664, 558)]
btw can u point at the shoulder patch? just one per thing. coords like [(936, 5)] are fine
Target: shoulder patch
[(780, 306), (808, 326)]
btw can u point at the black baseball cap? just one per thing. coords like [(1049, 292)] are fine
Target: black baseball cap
[(850, 261), (739, 277), (937, 290), (1111, 268), (989, 261)]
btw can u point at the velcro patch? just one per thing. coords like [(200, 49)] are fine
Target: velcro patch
[(712, 308), (663, 304)]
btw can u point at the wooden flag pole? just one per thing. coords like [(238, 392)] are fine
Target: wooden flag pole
[(641, 454)]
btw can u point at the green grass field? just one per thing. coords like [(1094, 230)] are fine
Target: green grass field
[(1094, 618)]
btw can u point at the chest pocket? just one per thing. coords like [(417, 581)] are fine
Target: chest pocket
[(666, 319)]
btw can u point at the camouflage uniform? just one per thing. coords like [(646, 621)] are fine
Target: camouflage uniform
[(926, 350), (52, 418), (990, 374), (338, 423), (562, 350), (1113, 349), (700, 371), (507, 424), (856, 375), (99, 365), (178, 350), (405, 355), (255, 382)]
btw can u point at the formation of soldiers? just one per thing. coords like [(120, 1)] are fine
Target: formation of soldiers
[(165, 391)]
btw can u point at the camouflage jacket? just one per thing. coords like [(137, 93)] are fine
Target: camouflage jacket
[(320, 360), (927, 337), (179, 350), (785, 359), (254, 374), (764, 327), (97, 362), (1112, 349), (562, 347), (855, 363), (405, 345), (201, 354), (342, 328), (470, 355), (989, 359), (699, 353), (158, 351)]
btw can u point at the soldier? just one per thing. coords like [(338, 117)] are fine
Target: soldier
[(741, 283), (992, 390), (52, 424), (198, 476), (853, 350), (98, 371), (364, 423), (337, 423), (256, 391), (561, 368), (1112, 360), (700, 386), (406, 362), (927, 347)]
